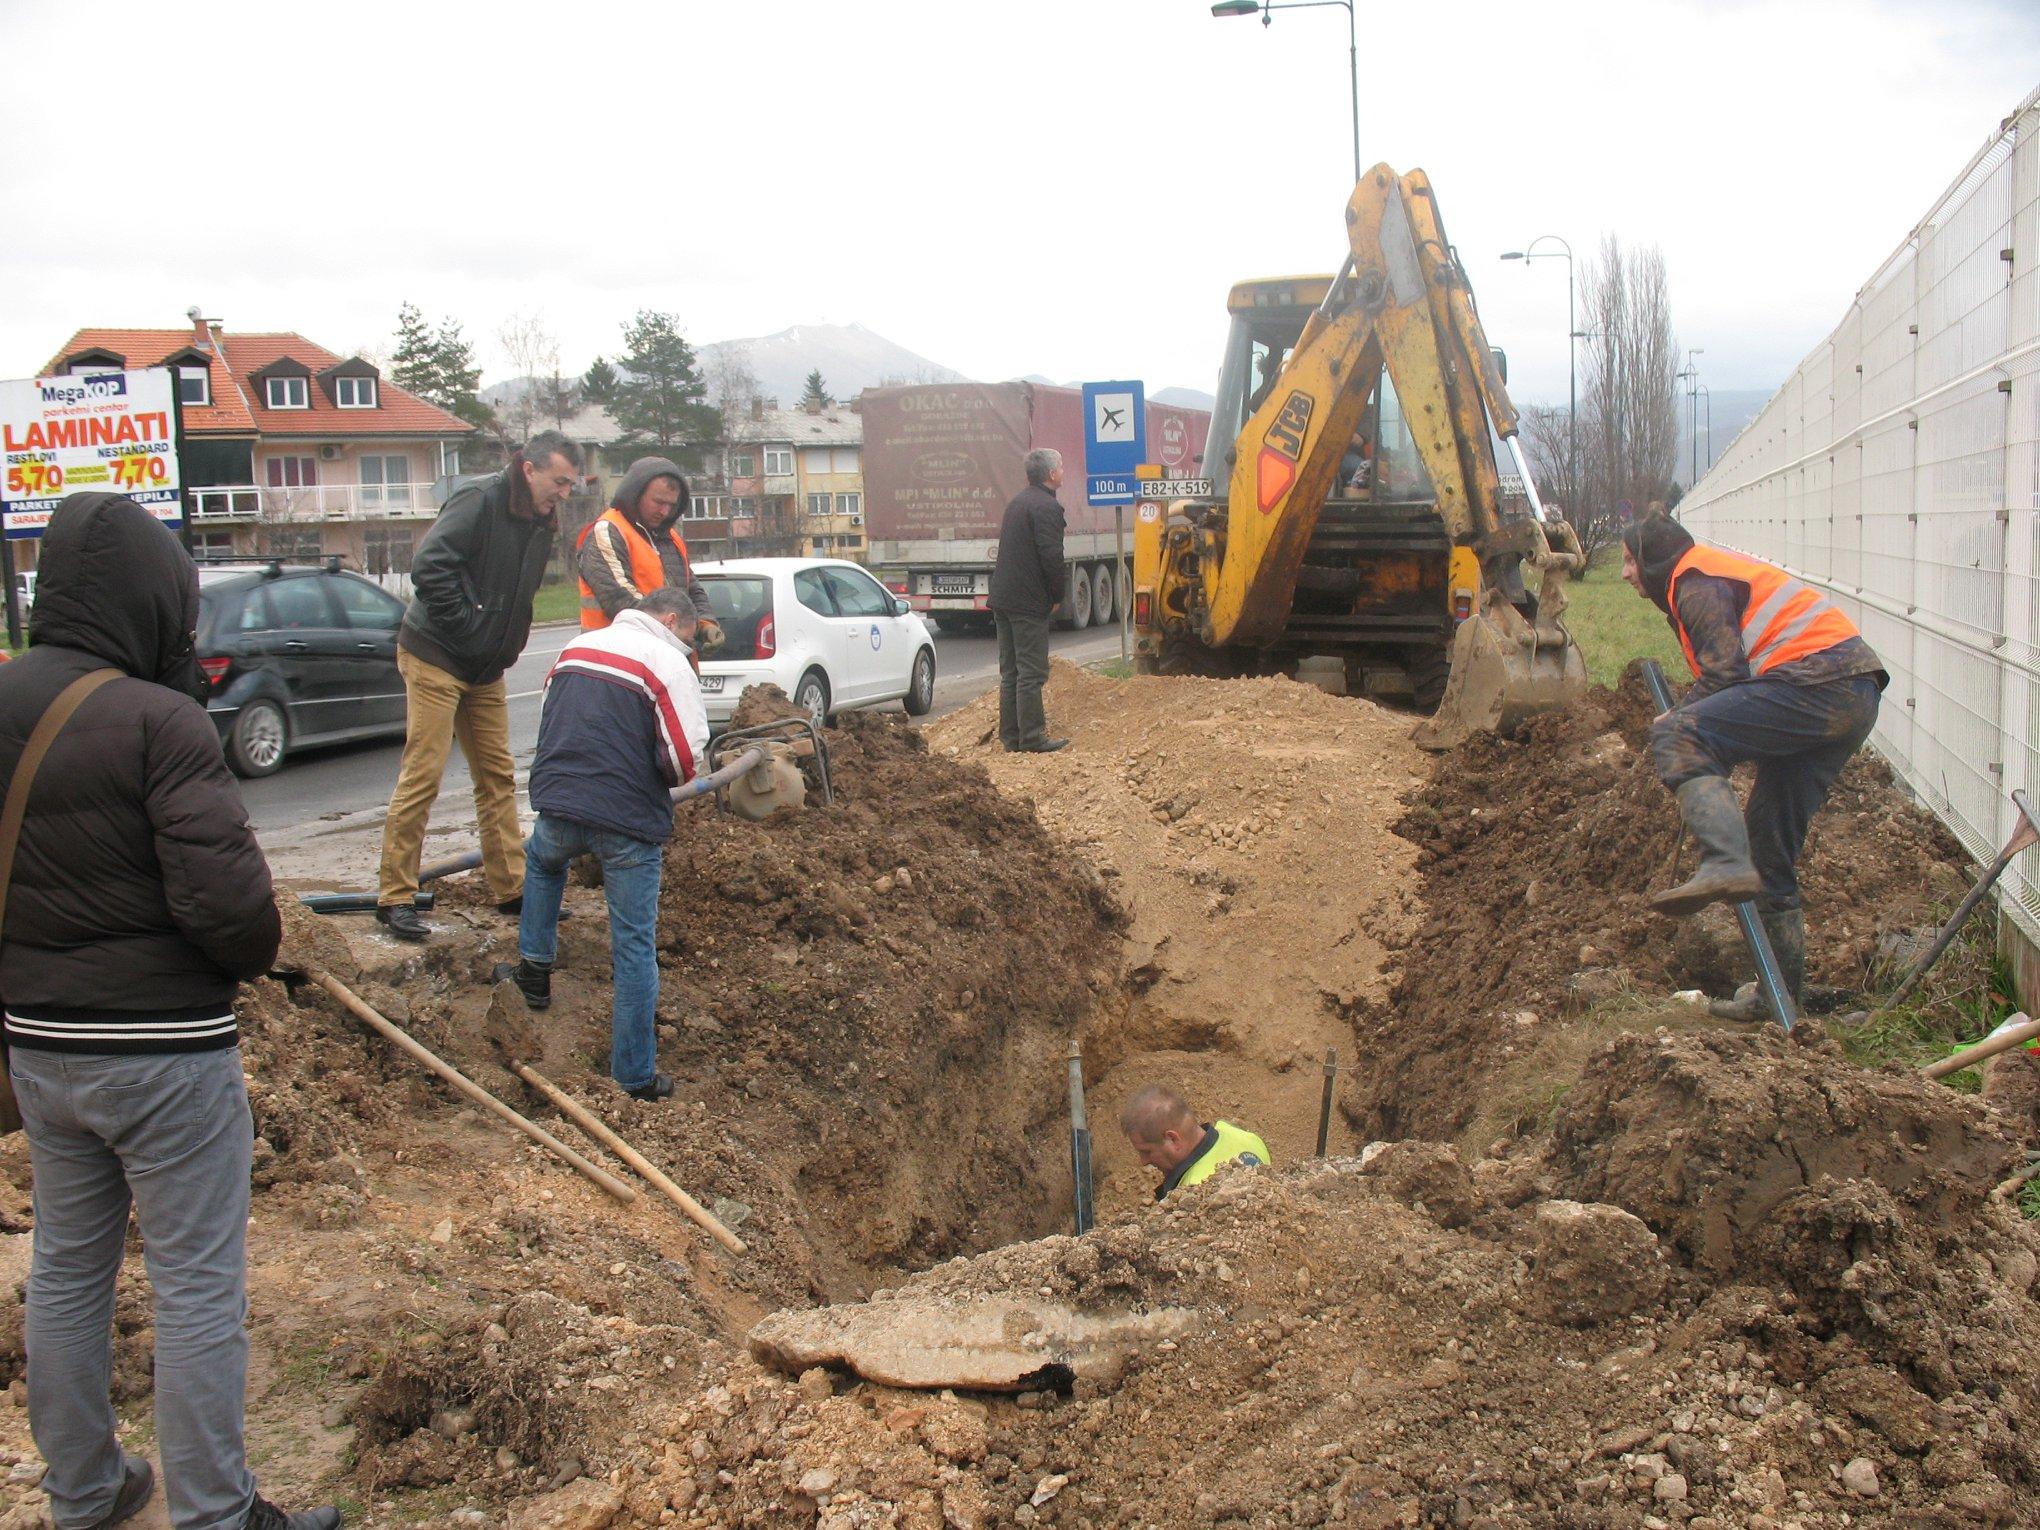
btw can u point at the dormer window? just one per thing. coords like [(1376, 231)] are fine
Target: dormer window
[(194, 386), (354, 392), (289, 393)]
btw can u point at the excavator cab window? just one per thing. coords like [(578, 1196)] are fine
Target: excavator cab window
[(1399, 473)]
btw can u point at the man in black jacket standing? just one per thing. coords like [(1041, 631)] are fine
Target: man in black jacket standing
[(475, 575), (138, 900), (1028, 583)]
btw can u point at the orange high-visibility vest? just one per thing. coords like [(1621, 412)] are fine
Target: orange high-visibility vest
[(1785, 619), (647, 569)]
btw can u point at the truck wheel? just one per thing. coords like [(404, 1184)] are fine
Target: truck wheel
[(257, 740), (1077, 598), (1428, 669), (1102, 607)]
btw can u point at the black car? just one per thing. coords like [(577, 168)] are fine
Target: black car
[(297, 655)]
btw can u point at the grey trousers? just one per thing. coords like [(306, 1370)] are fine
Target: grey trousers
[(171, 1134), (1023, 670)]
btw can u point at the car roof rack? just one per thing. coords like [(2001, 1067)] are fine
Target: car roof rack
[(271, 563)]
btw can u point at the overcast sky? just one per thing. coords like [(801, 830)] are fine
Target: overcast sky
[(1064, 187)]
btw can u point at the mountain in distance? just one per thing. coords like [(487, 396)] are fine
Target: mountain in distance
[(851, 358), (1181, 398)]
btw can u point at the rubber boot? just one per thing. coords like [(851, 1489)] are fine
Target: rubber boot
[(1712, 815), (1787, 929)]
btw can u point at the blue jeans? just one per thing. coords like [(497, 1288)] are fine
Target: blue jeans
[(630, 880), (1800, 736), (170, 1135)]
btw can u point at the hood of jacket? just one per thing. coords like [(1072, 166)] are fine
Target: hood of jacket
[(637, 478), (116, 583), (1657, 543)]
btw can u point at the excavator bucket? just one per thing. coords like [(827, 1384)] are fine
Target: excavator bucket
[(1504, 665), (1500, 675)]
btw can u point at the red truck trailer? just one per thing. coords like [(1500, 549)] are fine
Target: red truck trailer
[(942, 460)]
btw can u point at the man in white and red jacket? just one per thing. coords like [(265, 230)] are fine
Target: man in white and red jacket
[(621, 725)]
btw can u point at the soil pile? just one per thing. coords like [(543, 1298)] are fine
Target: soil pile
[(1537, 854), (1396, 1340), (1247, 826)]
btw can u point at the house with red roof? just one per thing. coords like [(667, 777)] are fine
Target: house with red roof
[(289, 449)]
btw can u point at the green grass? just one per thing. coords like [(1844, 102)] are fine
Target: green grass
[(1965, 998), (557, 603), (1613, 624), (1116, 669)]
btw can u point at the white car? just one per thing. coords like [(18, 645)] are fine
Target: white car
[(821, 629)]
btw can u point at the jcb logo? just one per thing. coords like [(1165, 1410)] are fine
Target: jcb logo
[(1275, 467), (1291, 425)]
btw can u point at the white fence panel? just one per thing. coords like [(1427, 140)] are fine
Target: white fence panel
[(1899, 470)]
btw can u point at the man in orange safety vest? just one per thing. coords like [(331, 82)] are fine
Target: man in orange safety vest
[(1781, 677), (635, 547)]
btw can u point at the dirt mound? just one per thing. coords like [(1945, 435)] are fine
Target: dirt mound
[(1536, 856), (1246, 825), (1355, 1357)]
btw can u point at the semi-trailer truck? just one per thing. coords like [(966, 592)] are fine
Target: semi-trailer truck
[(942, 460)]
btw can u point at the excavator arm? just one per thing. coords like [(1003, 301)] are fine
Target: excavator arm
[(1400, 307)]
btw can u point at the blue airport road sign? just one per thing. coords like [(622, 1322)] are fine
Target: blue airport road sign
[(1115, 440)]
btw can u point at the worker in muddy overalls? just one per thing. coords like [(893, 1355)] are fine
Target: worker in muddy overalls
[(1781, 677), (1165, 1134)]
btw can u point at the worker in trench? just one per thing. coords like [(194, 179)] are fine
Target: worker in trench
[(1165, 1134), (635, 547), (621, 724), (1782, 678)]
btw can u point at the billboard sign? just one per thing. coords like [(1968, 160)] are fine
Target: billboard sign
[(112, 432)]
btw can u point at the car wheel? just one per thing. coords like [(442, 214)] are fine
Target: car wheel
[(256, 742), (812, 696), (920, 697)]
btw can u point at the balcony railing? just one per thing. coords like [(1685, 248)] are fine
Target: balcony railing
[(322, 502)]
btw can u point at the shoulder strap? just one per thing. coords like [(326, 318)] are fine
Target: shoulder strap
[(47, 728)]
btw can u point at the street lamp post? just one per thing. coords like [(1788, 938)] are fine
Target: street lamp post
[(1708, 394), (1261, 8), (1572, 334), (1692, 376)]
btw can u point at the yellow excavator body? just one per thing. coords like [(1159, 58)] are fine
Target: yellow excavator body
[(1363, 512)]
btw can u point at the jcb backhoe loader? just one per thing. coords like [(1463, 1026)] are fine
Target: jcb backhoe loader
[(1361, 512)]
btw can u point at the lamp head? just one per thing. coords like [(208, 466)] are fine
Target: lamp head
[(1236, 7)]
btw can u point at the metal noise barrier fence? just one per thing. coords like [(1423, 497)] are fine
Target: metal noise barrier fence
[(1898, 470)]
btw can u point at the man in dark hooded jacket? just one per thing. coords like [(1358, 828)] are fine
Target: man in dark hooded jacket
[(139, 900), (635, 547), (1781, 677), (474, 575)]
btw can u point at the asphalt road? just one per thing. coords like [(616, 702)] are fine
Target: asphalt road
[(317, 815)]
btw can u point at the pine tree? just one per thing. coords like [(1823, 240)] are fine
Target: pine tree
[(598, 383), (414, 365), (659, 398), (816, 394), (459, 377), (439, 368)]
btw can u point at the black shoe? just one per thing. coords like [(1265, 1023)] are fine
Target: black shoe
[(403, 921), (1047, 746), (137, 1483), (264, 1515), (533, 980), (660, 1088)]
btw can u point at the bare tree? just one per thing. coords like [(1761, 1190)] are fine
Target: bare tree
[(1629, 422), (1547, 442), (537, 390)]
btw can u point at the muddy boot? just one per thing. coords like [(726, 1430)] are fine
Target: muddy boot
[(533, 980), (1787, 930), (1708, 805)]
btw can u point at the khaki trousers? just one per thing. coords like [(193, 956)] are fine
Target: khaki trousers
[(439, 708)]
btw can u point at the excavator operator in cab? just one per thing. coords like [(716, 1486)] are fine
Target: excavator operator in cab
[(1781, 677), (1167, 1135)]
